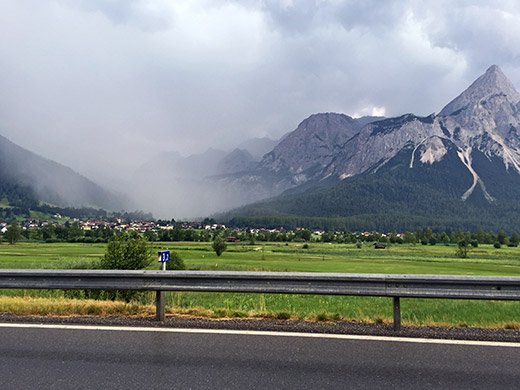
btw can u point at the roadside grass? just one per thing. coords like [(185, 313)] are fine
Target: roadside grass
[(319, 257), (39, 306), (415, 312)]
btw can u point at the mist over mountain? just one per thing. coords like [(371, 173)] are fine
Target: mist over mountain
[(48, 181), (460, 168), (214, 181), (257, 147), (236, 161)]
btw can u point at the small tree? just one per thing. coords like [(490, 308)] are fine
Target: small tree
[(463, 248), (502, 237), (219, 245), (13, 233), (176, 262)]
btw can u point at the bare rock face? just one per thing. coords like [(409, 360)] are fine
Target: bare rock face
[(492, 83), (380, 141), (312, 146), (486, 117)]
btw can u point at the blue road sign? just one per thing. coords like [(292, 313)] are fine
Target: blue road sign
[(164, 256)]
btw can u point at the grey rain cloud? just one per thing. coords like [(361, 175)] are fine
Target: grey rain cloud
[(103, 86)]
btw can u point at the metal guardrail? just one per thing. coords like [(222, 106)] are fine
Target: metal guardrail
[(376, 285)]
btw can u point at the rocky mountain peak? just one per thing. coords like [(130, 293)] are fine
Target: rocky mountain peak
[(491, 83), (313, 145)]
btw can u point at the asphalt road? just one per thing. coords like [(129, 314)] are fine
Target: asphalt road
[(48, 358)]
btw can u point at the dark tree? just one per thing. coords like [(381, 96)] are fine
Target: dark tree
[(13, 233), (219, 245)]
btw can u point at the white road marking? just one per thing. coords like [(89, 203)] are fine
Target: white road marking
[(263, 333)]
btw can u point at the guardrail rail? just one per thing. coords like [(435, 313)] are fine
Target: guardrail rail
[(376, 285)]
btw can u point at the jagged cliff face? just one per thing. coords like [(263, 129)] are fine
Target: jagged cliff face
[(379, 142), (312, 146), (484, 118)]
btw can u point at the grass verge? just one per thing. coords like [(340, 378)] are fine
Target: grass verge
[(415, 312)]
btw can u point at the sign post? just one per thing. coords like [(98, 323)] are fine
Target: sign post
[(160, 301)]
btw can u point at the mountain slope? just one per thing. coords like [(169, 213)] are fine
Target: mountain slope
[(49, 181), (297, 161), (236, 161)]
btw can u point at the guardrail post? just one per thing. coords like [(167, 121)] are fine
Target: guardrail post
[(160, 304), (397, 314), (160, 299)]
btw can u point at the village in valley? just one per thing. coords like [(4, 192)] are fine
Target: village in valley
[(87, 230)]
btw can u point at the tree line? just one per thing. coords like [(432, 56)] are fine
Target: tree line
[(72, 232)]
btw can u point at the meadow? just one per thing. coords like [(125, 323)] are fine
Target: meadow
[(318, 257)]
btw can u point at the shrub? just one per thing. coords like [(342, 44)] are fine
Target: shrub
[(305, 246), (125, 252), (176, 262), (497, 245)]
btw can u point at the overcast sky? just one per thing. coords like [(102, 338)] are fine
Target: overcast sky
[(102, 85)]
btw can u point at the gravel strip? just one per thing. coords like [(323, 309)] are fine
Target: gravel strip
[(340, 327)]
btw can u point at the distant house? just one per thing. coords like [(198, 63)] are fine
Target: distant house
[(232, 239)]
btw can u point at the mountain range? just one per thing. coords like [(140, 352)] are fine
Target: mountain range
[(456, 169), (459, 168)]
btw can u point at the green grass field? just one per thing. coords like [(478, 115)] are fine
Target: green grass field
[(405, 259)]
